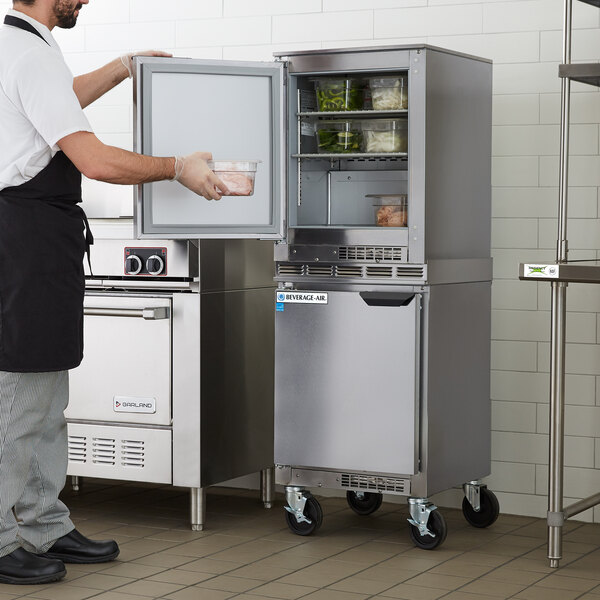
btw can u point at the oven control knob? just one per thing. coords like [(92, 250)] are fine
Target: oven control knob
[(133, 265), (155, 265)]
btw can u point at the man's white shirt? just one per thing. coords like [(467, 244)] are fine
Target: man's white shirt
[(38, 106)]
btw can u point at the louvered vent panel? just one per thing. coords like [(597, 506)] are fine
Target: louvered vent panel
[(381, 272), (133, 454), (356, 272), (374, 253), (290, 269), (405, 272), (77, 449), (380, 484), (104, 451), (319, 271)]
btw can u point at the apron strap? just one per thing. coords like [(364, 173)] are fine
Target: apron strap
[(24, 25), (89, 238)]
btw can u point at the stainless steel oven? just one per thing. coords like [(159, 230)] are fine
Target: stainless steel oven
[(176, 384)]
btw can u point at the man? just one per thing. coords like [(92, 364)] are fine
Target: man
[(46, 143)]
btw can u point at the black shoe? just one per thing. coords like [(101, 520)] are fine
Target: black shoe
[(76, 548), (25, 568)]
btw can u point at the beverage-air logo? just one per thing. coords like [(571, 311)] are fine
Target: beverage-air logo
[(134, 405), (542, 271), (301, 297)]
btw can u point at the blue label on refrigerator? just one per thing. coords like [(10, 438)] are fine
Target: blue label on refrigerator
[(301, 297), (279, 306)]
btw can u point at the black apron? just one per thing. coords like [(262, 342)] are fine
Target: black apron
[(42, 281)]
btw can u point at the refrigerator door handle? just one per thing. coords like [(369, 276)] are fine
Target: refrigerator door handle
[(387, 298)]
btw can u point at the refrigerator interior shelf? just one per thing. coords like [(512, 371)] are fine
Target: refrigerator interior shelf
[(355, 113), (583, 73), (583, 271), (344, 156)]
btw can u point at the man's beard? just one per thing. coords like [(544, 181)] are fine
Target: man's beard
[(64, 12)]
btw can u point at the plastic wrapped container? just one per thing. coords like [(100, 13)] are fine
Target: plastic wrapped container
[(338, 94), (391, 210), (237, 175), (389, 93), (335, 137), (385, 135)]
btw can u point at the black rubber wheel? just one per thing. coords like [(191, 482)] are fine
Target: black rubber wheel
[(437, 526), (312, 510), (488, 513), (364, 503)]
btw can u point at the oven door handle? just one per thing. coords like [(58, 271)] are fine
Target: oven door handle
[(150, 314)]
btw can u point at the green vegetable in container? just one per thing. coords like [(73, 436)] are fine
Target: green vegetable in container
[(333, 141), (338, 95)]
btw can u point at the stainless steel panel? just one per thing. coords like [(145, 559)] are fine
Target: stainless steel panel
[(124, 357), (456, 443), (348, 59), (186, 390), (252, 128), (343, 480), (235, 264), (298, 63), (459, 271), (237, 384), (124, 453), (347, 385), (108, 257), (458, 157)]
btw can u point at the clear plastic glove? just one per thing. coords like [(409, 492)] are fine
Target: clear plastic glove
[(127, 59), (193, 172)]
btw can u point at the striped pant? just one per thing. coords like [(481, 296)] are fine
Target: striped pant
[(33, 460)]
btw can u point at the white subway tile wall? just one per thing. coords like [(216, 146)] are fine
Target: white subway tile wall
[(524, 39)]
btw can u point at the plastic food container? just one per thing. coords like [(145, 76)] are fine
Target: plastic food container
[(385, 135), (389, 93), (338, 94), (335, 137), (237, 175), (391, 210)]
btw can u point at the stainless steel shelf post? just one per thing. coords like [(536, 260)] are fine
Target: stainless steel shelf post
[(560, 274)]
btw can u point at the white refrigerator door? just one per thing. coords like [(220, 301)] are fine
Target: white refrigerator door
[(235, 110)]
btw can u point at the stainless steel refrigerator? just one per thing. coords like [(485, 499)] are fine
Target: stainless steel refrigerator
[(382, 327)]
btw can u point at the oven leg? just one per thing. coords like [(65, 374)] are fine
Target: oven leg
[(75, 483), (267, 486), (198, 508)]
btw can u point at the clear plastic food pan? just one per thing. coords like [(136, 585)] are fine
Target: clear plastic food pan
[(237, 175)]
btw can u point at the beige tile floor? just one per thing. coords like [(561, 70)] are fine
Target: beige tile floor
[(247, 553)]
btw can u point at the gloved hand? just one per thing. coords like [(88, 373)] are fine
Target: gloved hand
[(193, 172), (127, 59)]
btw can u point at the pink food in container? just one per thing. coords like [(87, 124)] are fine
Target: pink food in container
[(237, 175)]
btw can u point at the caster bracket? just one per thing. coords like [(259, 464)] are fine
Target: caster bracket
[(472, 491), (296, 501), (420, 509)]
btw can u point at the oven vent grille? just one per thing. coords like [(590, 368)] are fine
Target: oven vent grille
[(132, 454), (290, 269), (372, 482), (77, 449), (319, 271), (348, 271), (381, 272), (404, 272), (104, 451), (373, 253)]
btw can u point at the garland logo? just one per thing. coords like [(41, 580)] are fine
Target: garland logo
[(542, 271), (134, 405)]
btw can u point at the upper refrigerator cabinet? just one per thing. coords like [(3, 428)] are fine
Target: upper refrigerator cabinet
[(235, 110)]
